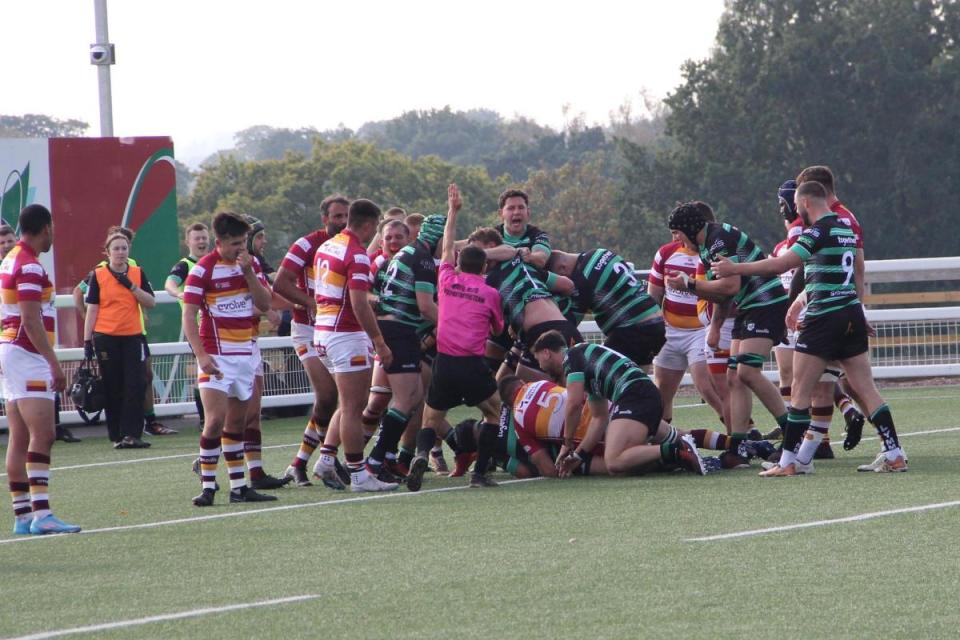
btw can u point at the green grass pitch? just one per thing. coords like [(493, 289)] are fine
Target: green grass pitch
[(580, 558)]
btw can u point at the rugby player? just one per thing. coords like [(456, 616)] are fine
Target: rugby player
[(405, 311), (228, 290), (33, 375), (517, 238), (529, 306), (834, 328), (295, 282), (821, 413), (686, 331), (346, 335), (396, 235), (760, 321), (629, 318), (537, 416), (468, 309), (598, 375), (853, 418)]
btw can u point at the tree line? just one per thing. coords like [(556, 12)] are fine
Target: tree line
[(869, 87)]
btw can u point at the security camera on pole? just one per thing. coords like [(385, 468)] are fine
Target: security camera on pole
[(102, 55)]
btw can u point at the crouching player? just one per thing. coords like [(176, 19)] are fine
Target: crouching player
[(633, 419)]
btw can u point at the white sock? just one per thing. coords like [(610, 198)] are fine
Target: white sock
[(811, 440), (892, 454), (786, 458)]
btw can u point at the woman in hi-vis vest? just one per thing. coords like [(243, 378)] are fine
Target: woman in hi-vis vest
[(113, 332)]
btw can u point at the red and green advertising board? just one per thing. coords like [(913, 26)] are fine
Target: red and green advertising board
[(89, 184)]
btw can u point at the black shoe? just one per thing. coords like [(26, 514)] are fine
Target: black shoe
[(205, 499), (383, 474), (731, 460), (246, 494), (417, 468), (824, 452), (269, 482), (298, 476), (482, 480), (776, 434), (754, 434), (64, 435), (855, 421), (129, 442), (342, 472)]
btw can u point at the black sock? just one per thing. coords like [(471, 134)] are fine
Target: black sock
[(425, 441), (798, 420), (882, 420), (392, 426), (451, 439), (486, 443)]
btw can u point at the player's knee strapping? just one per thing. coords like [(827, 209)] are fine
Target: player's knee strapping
[(830, 375), (754, 360), (732, 363)]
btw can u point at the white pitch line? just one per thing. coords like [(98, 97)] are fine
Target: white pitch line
[(193, 613), (251, 512), (111, 463), (823, 523)]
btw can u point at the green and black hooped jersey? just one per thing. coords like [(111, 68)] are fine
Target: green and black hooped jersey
[(607, 287), (829, 250), (518, 284), (412, 269), (531, 237), (605, 373), (728, 241)]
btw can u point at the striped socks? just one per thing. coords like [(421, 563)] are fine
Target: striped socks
[(20, 495), (38, 471), (232, 444), (209, 456), (252, 444)]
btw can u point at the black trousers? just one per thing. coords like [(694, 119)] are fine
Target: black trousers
[(124, 380)]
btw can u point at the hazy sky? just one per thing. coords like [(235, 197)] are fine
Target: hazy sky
[(199, 70)]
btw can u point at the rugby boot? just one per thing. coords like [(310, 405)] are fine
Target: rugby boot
[(415, 478), (21, 525), (51, 524), (854, 432), (297, 476), (438, 463), (269, 483), (248, 494), (482, 480), (689, 457), (205, 499), (327, 474), (882, 465), (731, 460), (372, 484), (461, 464)]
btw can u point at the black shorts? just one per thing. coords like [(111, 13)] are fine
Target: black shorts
[(768, 322), (565, 327), (404, 343), (459, 380), (836, 335), (427, 356), (640, 402), (640, 342)]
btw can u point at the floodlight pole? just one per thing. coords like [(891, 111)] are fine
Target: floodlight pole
[(101, 55)]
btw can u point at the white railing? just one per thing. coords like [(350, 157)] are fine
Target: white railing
[(910, 343)]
